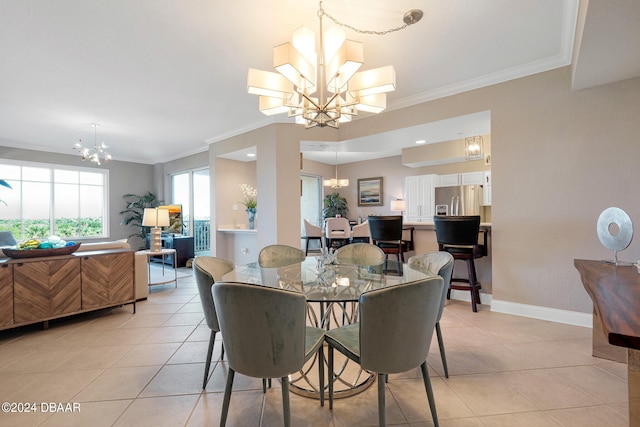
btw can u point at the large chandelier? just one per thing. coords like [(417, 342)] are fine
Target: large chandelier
[(323, 88), (335, 182), (96, 152)]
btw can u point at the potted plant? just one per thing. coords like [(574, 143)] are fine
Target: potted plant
[(134, 213), (250, 202), (334, 204), (4, 184)]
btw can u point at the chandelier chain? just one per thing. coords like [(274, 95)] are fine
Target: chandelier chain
[(322, 12)]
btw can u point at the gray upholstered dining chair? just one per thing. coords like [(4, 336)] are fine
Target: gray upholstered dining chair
[(279, 255), (263, 340), (393, 335), (361, 254), (207, 270), (440, 263)]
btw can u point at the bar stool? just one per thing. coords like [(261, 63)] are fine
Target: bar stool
[(458, 235)]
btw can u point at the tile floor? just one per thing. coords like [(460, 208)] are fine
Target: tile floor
[(146, 370)]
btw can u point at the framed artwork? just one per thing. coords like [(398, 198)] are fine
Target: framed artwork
[(175, 219), (370, 191)]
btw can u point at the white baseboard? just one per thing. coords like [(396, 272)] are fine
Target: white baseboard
[(486, 299), (533, 311)]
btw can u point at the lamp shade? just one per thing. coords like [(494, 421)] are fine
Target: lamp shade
[(163, 218), (154, 217), (398, 205)]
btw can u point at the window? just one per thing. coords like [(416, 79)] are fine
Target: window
[(191, 190), (311, 200), (44, 199)]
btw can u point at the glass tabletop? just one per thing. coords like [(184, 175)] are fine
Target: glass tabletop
[(327, 283)]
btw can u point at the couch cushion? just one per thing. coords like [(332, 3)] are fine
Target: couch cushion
[(100, 246), (7, 239)]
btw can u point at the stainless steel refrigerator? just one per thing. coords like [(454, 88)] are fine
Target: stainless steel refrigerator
[(459, 200)]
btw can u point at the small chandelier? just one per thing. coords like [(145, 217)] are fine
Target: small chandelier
[(473, 148), (323, 88), (96, 152), (335, 182)]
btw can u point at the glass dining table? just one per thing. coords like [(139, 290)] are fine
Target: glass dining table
[(332, 292)]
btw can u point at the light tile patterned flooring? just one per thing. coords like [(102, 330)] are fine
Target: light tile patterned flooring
[(146, 370)]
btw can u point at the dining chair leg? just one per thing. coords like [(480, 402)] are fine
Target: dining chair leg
[(286, 407), (330, 377), (321, 374), (381, 401), (427, 386), (265, 382), (443, 356), (222, 351), (212, 339), (227, 398)]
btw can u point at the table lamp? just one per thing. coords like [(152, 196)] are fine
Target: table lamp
[(398, 206), (155, 218)]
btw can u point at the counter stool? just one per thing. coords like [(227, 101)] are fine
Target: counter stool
[(458, 235)]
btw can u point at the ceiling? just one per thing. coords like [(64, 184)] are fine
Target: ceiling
[(164, 79)]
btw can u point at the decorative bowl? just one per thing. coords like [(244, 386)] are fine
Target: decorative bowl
[(35, 253)]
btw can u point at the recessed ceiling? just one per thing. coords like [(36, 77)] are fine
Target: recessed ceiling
[(166, 78)]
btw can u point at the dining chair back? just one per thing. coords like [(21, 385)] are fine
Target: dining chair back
[(279, 255), (360, 233), (440, 263), (386, 233), (265, 334), (312, 232), (458, 235), (360, 254), (393, 335), (337, 230), (207, 270)]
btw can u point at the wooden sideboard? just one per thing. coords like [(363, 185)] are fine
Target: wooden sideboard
[(41, 289)]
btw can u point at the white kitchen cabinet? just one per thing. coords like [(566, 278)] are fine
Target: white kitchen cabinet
[(419, 196), (486, 189), (467, 178), (449, 180), (470, 178)]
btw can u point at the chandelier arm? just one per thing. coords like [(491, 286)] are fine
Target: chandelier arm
[(308, 98), (329, 101)]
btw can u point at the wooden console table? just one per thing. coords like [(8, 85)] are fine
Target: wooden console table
[(34, 290), (615, 291)]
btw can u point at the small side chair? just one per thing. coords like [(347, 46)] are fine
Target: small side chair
[(263, 340), (393, 335), (312, 232), (360, 254), (279, 256), (207, 270), (440, 263)]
